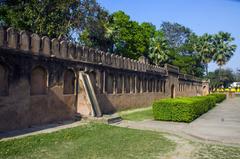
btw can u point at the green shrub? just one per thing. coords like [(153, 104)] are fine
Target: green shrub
[(182, 109), (219, 97)]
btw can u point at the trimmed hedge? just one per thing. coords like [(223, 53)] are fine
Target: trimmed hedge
[(182, 109), (219, 97)]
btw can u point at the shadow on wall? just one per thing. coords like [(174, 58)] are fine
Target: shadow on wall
[(33, 103), (106, 105), (26, 111)]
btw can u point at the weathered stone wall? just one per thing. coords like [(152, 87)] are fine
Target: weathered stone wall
[(40, 80)]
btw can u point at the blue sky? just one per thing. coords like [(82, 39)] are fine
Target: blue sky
[(202, 16)]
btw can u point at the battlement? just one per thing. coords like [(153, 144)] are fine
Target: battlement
[(32, 43), (10, 38)]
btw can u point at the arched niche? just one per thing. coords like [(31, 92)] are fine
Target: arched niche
[(38, 82), (69, 82)]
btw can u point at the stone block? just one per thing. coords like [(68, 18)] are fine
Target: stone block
[(122, 61), (117, 60), (72, 51), (24, 41), (79, 52), (108, 58), (113, 60), (135, 65), (46, 46), (97, 56), (125, 63), (64, 49), (129, 63), (55, 48), (2, 36), (91, 55), (85, 53), (103, 57), (35, 43), (132, 64), (139, 66), (12, 38)]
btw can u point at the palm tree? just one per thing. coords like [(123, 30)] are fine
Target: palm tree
[(224, 49), (203, 45), (159, 49)]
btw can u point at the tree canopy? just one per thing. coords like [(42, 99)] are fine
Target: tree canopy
[(85, 22), (228, 77), (53, 18)]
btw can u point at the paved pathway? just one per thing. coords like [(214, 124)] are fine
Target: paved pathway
[(221, 124)]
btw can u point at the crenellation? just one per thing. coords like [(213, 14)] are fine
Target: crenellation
[(139, 66), (55, 49), (112, 57), (171, 68), (64, 49), (124, 63), (2, 37), (94, 56), (117, 61), (135, 65), (85, 53), (91, 54), (114, 60), (24, 41), (103, 57), (108, 58), (83, 56), (142, 66), (121, 62), (12, 38), (35, 43), (129, 63), (71, 52), (79, 52), (148, 66), (97, 56), (46, 43)]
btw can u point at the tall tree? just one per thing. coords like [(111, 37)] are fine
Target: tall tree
[(94, 32), (159, 49), (224, 49), (148, 31), (128, 37), (50, 17), (205, 49), (176, 34)]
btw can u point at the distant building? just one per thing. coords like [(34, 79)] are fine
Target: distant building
[(235, 84)]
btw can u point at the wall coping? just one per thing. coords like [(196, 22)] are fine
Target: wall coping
[(32, 43)]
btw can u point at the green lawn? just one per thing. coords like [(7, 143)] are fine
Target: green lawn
[(89, 141), (137, 115), (106, 142)]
